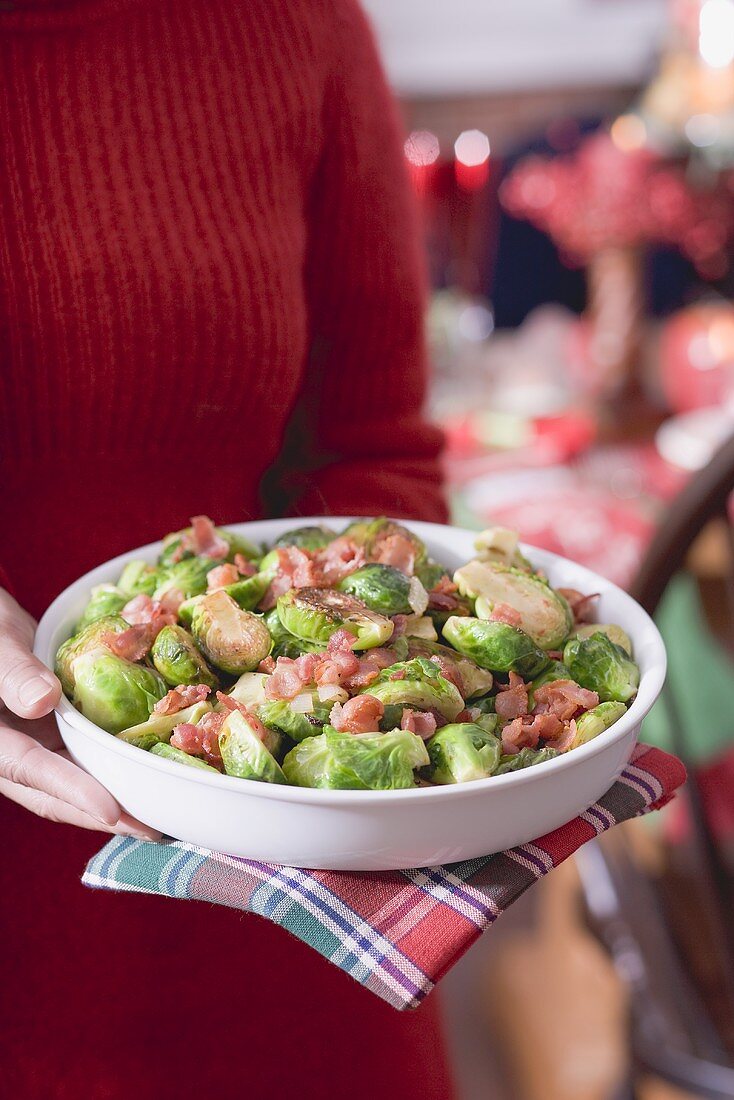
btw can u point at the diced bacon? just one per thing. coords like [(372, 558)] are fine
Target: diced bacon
[(448, 670), (296, 569), (171, 601), (201, 739), (398, 674), (253, 721), (399, 623), (143, 610), (338, 559), (336, 667), (564, 698), (178, 698), (370, 665), (503, 613), (442, 597), (340, 641), (564, 739), (220, 576), (581, 606), (517, 735), (546, 726), (131, 644), (361, 714), (398, 551), (138, 610), (512, 698), (424, 724), (290, 677), (267, 665), (204, 540), (245, 568)]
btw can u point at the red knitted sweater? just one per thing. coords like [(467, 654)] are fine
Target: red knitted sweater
[(206, 245)]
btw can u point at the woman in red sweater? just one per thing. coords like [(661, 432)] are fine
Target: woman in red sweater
[(210, 301)]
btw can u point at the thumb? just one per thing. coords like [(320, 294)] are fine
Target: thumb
[(27, 687)]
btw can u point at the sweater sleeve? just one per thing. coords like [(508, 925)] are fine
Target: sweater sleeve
[(5, 581), (358, 442)]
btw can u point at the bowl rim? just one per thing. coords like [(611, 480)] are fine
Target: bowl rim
[(651, 683)]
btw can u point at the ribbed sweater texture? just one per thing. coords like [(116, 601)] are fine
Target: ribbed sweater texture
[(210, 301)]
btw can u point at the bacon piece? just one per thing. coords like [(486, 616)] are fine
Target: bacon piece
[(338, 559), (399, 623), (424, 724), (204, 540), (340, 641), (370, 665), (336, 667), (398, 674), (143, 610), (564, 737), (503, 613), (442, 597), (254, 722), (244, 566), (220, 576), (170, 602), (178, 698), (131, 644), (518, 735), (582, 606), (564, 698), (296, 569), (512, 698), (290, 677), (201, 739), (398, 551), (448, 670), (361, 714), (267, 665)]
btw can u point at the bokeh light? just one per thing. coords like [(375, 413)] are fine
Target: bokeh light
[(628, 133), (471, 148), (422, 148), (716, 33)]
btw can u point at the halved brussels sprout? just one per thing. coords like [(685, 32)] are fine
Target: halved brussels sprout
[(429, 573), (496, 645), (525, 758), (596, 720), (306, 538), (545, 615), (362, 762), (379, 587), (613, 632), (114, 693), (244, 754), (280, 715), (248, 592), (500, 544), (462, 751), (159, 727), (176, 657), (314, 614), (85, 641), (138, 578), (170, 752), (250, 689), (286, 644), (268, 566), (187, 575), (419, 684), (106, 599), (231, 639), (601, 666), (474, 680), (186, 611)]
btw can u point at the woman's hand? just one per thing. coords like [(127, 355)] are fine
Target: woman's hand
[(35, 770)]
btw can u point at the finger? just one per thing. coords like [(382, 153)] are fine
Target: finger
[(23, 761), (55, 809), (27, 687)]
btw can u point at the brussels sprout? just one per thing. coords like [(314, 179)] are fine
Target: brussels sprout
[(601, 666), (462, 751), (244, 754), (159, 727), (306, 538), (429, 573), (171, 551), (114, 693), (280, 715), (248, 592), (176, 657), (595, 721), (362, 762), (186, 611), (613, 632), (169, 752), (86, 641), (233, 640), (419, 684), (357, 531), (377, 531), (268, 566), (544, 614), (106, 599), (250, 689), (556, 671), (488, 722), (485, 705), (525, 758), (474, 680), (500, 544), (379, 587), (496, 645), (187, 575), (286, 644), (314, 614), (422, 627), (139, 578)]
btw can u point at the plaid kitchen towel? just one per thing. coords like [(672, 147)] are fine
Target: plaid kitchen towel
[(395, 932)]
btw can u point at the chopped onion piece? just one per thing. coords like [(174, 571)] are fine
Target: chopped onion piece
[(417, 596), (332, 693), (302, 704)]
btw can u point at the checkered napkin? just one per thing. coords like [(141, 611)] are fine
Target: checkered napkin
[(395, 932)]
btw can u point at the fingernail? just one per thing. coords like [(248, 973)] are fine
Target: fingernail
[(142, 834), (34, 690)]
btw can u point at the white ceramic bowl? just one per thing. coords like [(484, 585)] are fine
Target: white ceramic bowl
[(361, 830)]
